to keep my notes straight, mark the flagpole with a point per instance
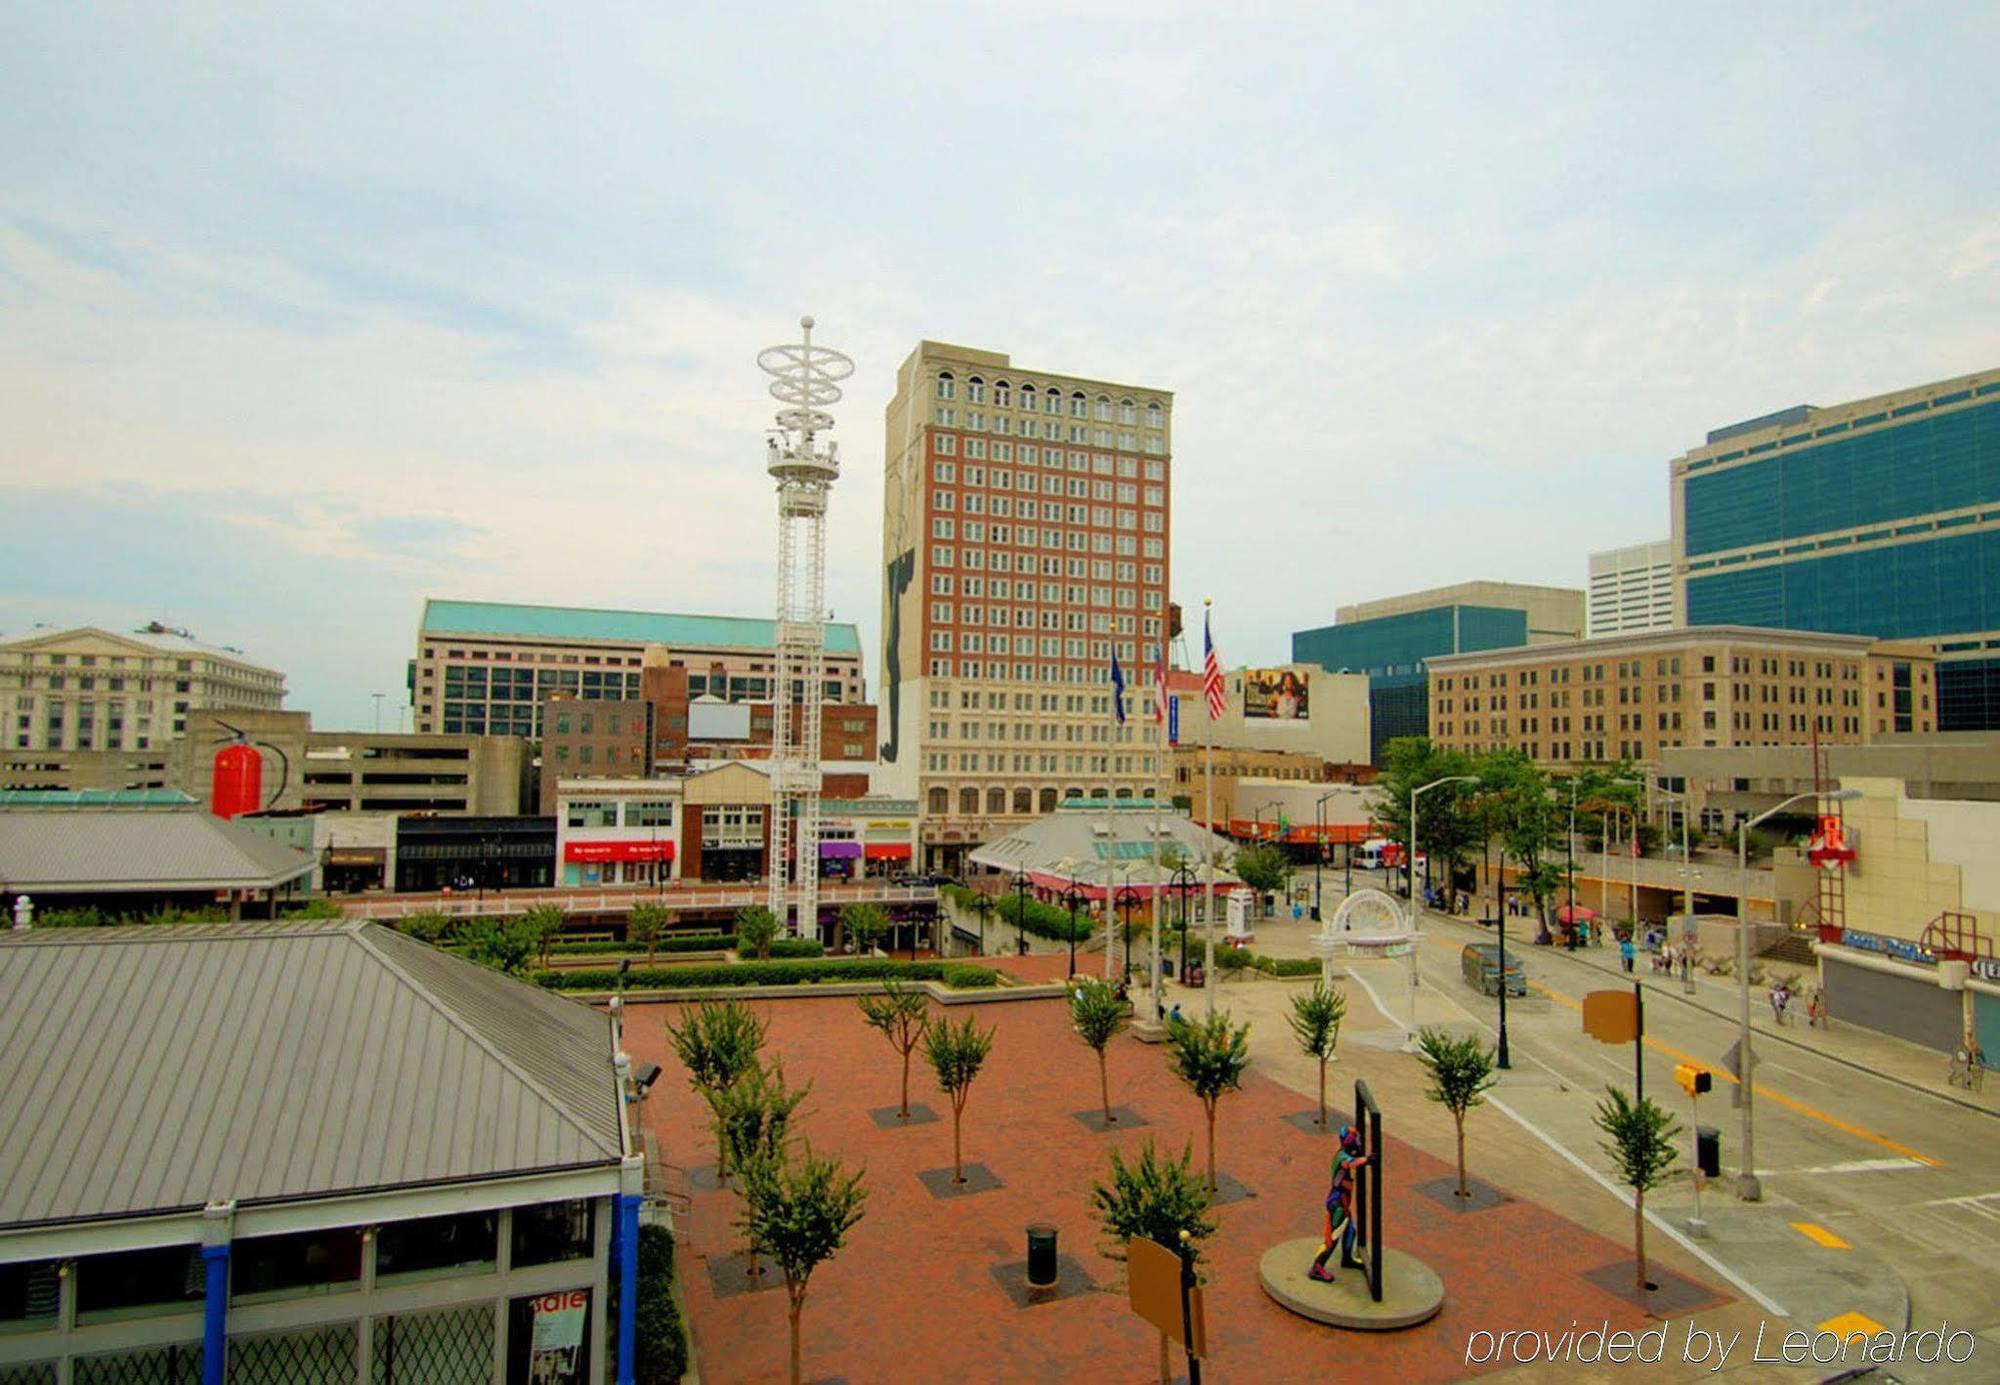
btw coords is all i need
(1110, 816)
(1208, 816)
(1159, 789)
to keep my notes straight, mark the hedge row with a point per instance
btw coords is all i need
(1044, 920)
(746, 974)
(667, 942)
(970, 978)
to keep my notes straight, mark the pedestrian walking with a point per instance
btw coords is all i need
(1816, 1009)
(1780, 998)
(1625, 953)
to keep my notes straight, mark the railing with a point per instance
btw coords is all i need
(578, 901)
(1955, 937)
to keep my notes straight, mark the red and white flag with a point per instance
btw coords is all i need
(1211, 674)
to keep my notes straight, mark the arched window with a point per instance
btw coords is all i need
(975, 390)
(1048, 800)
(940, 802)
(1123, 793)
(1028, 398)
(1024, 800)
(947, 388)
(1128, 412)
(1052, 402)
(996, 802)
(1001, 398)
(1104, 408)
(1155, 415)
(968, 802)
(1079, 407)
(1072, 793)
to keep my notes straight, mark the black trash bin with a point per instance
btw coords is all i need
(1041, 1256)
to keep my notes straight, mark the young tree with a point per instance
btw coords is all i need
(1639, 1137)
(1210, 1057)
(426, 925)
(1461, 1069)
(956, 1053)
(865, 924)
(800, 1213)
(1099, 1015)
(753, 1116)
(1155, 1197)
(717, 1042)
(1263, 867)
(544, 923)
(645, 924)
(1315, 1020)
(902, 1015)
(756, 926)
(506, 945)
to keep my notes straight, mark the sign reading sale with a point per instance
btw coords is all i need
(559, 1320)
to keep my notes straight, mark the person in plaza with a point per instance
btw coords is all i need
(1816, 1009)
(1175, 1016)
(1625, 953)
(1781, 996)
(1340, 1228)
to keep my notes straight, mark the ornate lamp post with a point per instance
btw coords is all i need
(1184, 880)
(1021, 910)
(1073, 897)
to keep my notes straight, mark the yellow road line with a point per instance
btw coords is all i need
(1789, 1103)
(1819, 1235)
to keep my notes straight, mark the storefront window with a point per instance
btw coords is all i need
(468, 1241)
(132, 1280)
(548, 1338)
(304, 1262)
(29, 1294)
(548, 1232)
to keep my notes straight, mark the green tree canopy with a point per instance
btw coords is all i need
(1315, 1021)
(1450, 825)
(1639, 1137)
(644, 925)
(544, 923)
(717, 1042)
(1461, 1068)
(1263, 866)
(504, 944)
(901, 1013)
(800, 1211)
(1210, 1057)
(1098, 1015)
(756, 927)
(956, 1053)
(865, 924)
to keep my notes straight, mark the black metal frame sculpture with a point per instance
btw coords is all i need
(1368, 1189)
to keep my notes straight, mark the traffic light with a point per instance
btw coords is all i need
(1708, 1150)
(1695, 1081)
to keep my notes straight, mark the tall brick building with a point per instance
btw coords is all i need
(1025, 537)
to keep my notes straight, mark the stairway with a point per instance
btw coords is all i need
(1793, 949)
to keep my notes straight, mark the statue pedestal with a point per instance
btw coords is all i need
(1411, 1290)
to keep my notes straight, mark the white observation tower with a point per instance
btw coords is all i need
(805, 382)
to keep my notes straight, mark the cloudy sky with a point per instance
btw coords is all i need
(310, 311)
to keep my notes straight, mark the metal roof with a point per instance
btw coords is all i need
(1092, 843)
(94, 798)
(623, 627)
(155, 1069)
(96, 849)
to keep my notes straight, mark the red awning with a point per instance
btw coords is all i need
(888, 851)
(618, 851)
(1579, 914)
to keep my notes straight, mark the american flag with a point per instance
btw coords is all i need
(1211, 673)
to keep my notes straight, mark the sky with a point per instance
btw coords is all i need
(308, 312)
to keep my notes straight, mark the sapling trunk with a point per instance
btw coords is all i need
(1211, 1148)
(1639, 1236)
(1104, 1086)
(1322, 1090)
(1459, 1117)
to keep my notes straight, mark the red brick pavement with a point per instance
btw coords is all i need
(913, 1296)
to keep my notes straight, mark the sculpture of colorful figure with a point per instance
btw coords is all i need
(1340, 1227)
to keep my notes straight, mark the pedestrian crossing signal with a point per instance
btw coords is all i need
(1693, 1080)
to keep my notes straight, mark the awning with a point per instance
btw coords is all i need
(618, 851)
(839, 850)
(357, 856)
(888, 851)
(1578, 914)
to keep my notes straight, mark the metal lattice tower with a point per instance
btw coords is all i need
(805, 380)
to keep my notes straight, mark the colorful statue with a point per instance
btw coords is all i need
(1340, 1227)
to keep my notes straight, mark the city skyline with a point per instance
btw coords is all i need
(311, 317)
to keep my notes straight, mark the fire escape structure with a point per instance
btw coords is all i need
(1830, 850)
(805, 379)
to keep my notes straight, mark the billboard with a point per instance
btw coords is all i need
(1275, 694)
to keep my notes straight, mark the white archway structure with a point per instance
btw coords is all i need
(1370, 923)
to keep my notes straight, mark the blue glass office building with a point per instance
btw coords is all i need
(1880, 517)
(1392, 650)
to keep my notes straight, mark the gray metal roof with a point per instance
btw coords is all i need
(1093, 842)
(154, 1069)
(94, 798)
(163, 849)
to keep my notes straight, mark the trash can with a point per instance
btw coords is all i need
(1041, 1256)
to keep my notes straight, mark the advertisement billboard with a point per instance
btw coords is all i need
(1275, 694)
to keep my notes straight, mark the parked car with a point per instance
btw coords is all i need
(1481, 964)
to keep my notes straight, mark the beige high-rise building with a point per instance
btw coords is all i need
(1026, 520)
(1634, 697)
(92, 689)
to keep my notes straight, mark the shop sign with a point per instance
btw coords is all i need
(1986, 968)
(559, 1320)
(618, 851)
(1902, 949)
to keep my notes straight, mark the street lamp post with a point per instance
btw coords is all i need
(1184, 881)
(1414, 794)
(1072, 897)
(1747, 1186)
(1021, 910)
(1501, 1059)
(1319, 854)
(1128, 900)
